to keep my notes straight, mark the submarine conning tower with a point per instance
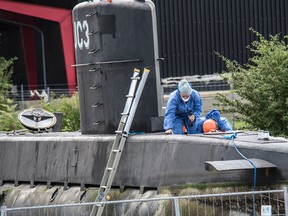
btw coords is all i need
(111, 39)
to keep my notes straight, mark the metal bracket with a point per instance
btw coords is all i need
(96, 86)
(98, 122)
(92, 14)
(93, 32)
(93, 51)
(96, 105)
(74, 160)
(107, 62)
(94, 69)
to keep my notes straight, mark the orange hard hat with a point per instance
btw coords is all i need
(209, 125)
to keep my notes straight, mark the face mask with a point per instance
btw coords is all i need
(185, 100)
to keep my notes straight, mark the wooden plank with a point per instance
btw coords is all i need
(230, 165)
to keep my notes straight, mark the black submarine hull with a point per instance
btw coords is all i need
(148, 160)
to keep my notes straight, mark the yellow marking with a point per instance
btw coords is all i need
(136, 70)
(146, 70)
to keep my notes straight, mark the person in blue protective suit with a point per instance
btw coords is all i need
(213, 122)
(184, 108)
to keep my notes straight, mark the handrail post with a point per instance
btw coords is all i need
(176, 206)
(22, 96)
(286, 200)
(3, 210)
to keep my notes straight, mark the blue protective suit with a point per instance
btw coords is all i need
(177, 112)
(223, 123)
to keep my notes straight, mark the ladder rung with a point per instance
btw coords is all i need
(95, 86)
(109, 168)
(104, 187)
(135, 78)
(115, 151)
(98, 122)
(118, 132)
(94, 69)
(125, 135)
(124, 114)
(97, 105)
(130, 96)
(93, 51)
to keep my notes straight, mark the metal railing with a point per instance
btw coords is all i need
(200, 83)
(29, 92)
(266, 203)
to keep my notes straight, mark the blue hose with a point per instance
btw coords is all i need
(233, 136)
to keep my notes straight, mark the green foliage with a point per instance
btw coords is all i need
(9, 116)
(238, 125)
(260, 86)
(6, 70)
(69, 107)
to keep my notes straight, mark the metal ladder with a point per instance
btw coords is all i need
(120, 139)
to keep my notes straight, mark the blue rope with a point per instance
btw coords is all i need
(135, 132)
(233, 136)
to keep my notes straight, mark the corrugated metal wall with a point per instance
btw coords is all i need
(190, 31)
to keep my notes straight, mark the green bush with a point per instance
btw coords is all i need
(260, 86)
(9, 117)
(6, 70)
(69, 107)
(8, 114)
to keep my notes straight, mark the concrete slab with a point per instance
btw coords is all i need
(230, 165)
